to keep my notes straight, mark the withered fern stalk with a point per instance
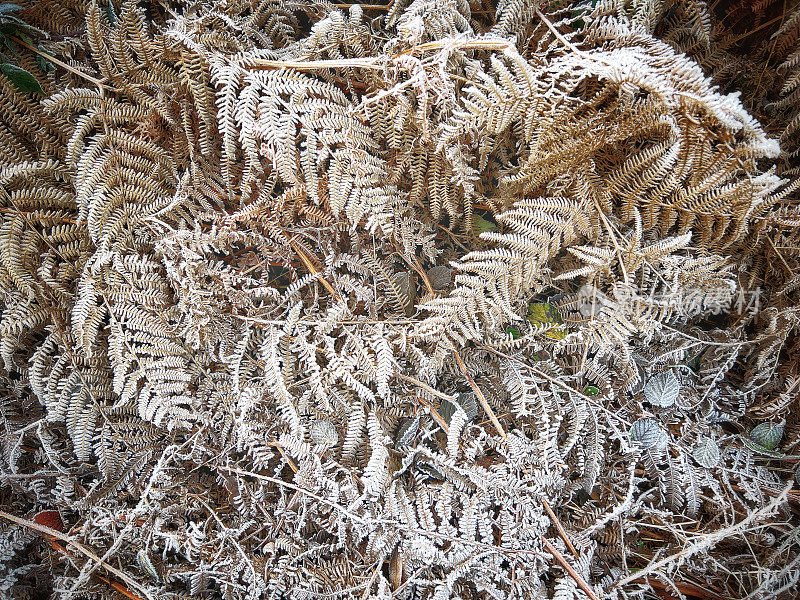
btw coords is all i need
(443, 299)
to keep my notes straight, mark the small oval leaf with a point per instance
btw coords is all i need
(323, 433)
(7, 7)
(440, 277)
(466, 400)
(49, 518)
(649, 434)
(146, 565)
(406, 432)
(469, 403)
(406, 290)
(23, 80)
(706, 453)
(662, 389)
(545, 316)
(767, 435)
(481, 225)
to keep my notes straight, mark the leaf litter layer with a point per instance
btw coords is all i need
(437, 299)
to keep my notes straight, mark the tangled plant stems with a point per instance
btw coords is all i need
(437, 299)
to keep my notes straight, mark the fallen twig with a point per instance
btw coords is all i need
(479, 394)
(568, 568)
(708, 540)
(64, 65)
(425, 387)
(313, 270)
(88, 553)
(560, 528)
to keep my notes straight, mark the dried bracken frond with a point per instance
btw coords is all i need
(430, 300)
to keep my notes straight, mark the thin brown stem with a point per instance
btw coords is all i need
(568, 568)
(560, 528)
(64, 65)
(425, 387)
(479, 394)
(88, 553)
(313, 270)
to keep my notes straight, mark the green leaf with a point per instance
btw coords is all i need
(481, 225)
(693, 361)
(9, 44)
(542, 314)
(110, 14)
(146, 565)
(759, 449)
(767, 435)
(513, 332)
(11, 25)
(44, 64)
(23, 80)
(591, 391)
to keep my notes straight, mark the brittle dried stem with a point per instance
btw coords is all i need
(568, 568)
(479, 394)
(87, 552)
(708, 540)
(64, 65)
(560, 528)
